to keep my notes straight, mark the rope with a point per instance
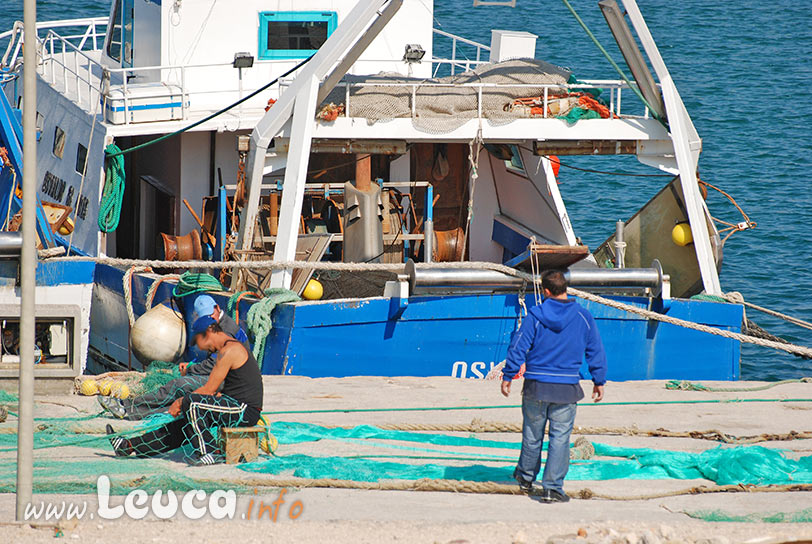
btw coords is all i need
(190, 283)
(259, 318)
(480, 426)
(118, 152)
(127, 286)
(150, 298)
(492, 488)
(360, 267)
(113, 193)
(514, 406)
(676, 385)
(614, 64)
(84, 168)
(233, 306)
(737, 298)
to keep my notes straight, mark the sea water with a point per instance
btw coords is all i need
(744, 71)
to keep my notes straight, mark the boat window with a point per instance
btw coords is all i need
(40, 125)
(53, 347)
(515, 163)
(81, 158)
(293, 34)
(59, 142)
(114, 33)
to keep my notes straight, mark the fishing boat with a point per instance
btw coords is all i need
(361, 184)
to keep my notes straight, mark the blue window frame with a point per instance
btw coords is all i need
(294, 34)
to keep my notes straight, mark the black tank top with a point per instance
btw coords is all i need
(244, 384)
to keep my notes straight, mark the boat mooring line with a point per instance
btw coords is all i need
(793, 349)
(514, 406)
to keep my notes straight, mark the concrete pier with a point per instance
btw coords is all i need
(344, 515)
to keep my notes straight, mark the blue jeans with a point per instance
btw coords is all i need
(535, 415)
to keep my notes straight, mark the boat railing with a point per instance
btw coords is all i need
(86, 33)
(550, 91)
(457, 58)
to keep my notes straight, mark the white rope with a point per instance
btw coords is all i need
(394, 267)
(737, 298)
(474, 147)
(127, 286)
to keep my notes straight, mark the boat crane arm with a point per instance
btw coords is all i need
(313, 82)
(687, 146)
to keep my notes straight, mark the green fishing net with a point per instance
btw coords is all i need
(381, 455)
(801, 516)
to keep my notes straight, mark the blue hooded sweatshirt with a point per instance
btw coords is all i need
(552, 342)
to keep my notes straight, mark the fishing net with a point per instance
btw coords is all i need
(439, 108)
(801, 516)
(363, 453)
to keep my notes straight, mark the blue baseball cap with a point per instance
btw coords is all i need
(201, 325)
(204, 305)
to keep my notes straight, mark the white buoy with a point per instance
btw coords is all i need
(158, 335)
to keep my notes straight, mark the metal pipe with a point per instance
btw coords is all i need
(620, 245)
(428, 226)
(450, 279)
(28, 265)
(11, 243)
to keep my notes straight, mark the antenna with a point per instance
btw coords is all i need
(506, 3)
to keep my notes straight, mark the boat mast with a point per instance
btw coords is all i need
(687, 146)
(28, 264)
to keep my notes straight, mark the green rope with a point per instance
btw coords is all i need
(191, 283)
(677, 385)
(504, 406)
(259, 319)
(113, 193)
(118, 152)
(615, 66)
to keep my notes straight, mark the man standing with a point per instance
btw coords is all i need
(552, 342)
(201, 413)
(193, 375)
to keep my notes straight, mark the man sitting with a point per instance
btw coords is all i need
(204, 410)
(193, 375)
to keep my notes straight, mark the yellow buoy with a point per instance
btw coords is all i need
(682, 235)
(89, 387)
(122, 391)
(313, 291)
(267, 442)
(104, 387)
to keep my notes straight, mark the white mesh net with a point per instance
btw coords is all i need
(440, 108)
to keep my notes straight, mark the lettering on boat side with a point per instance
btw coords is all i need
(477, 369)
(54, 187)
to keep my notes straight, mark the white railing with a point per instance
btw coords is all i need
(465, 63)
(91, 38)
(72, 62)
(614, 87)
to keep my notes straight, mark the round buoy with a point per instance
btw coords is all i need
(556, 164)
(682, 235)
(313, 290)
(158, 335)
(121, 391)
(89, 387)
(268, 442)
(104, 387)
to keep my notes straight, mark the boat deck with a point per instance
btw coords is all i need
(374, 516)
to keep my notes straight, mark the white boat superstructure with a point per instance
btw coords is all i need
(279, 117)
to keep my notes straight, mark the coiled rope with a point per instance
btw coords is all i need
(113, 192)
(190, 283)
(259, 318)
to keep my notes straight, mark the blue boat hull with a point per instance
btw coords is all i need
(462, 336)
